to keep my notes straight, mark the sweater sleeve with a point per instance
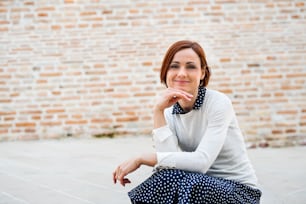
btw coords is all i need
(219, 114)
(165, 140)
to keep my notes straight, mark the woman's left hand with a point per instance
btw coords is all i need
(149, 159)
(124, 169)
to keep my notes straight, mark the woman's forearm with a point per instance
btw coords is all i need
(159, 118)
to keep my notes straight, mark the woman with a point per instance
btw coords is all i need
(200, 152)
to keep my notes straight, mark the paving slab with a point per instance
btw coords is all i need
(79, 171)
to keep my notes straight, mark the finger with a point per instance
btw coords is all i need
(180, 91)
(125, 181)
(114, 177)
(178, 95)
(186, 94)
(121, 180)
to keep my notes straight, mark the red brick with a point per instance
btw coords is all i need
(20, 10)
(56, 27)
(127, 119)
(55, 110)
(58, 123)
(5, 101)
(2, 132)
(47, 8)
(299, 4)
(101, 120)
(7, 113)
(296, 75)
(76, 122)
(277, 132)
(36, 117)
(42, 14)
(4, 29)
(26, 124)
(272, 76)
(51, 74)
(144, 94)
(225, 60)
(290, 112)
(31, 112)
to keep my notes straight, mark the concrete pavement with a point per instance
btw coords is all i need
(78, 171)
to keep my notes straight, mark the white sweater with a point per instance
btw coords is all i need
(207, 140)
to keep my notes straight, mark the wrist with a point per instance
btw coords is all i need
(147, 159)
(139, 161)
(158, 110)
(159, 118)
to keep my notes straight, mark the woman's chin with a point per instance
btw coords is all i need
(182, 88)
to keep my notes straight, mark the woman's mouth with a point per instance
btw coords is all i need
(181, 81)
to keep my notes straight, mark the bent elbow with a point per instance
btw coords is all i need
(203, 163)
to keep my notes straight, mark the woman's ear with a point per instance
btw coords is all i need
(203, 74)
(202, 77)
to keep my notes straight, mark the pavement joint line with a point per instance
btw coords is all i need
(72, 196)
(294, 192)
(15, 176)
(14, 197)
(97, 185)
(47, 187)
(9, 162)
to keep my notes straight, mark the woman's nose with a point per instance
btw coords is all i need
(182, 71)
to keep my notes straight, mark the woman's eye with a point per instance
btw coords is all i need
(191, 67)
(174, 66)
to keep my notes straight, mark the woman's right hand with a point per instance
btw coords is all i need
(170, 97)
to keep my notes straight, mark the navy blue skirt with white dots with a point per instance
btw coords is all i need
(173, 186)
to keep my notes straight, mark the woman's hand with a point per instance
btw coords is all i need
(170, 97)
(131, 165)
(124, 169)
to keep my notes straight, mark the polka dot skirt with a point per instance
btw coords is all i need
(170, 186)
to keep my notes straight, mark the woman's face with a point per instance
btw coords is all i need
(184, 72)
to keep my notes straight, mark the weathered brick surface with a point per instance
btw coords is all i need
(91, 67)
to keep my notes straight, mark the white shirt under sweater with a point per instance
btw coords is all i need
(207, 140)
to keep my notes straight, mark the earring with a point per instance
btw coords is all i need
(201, 82)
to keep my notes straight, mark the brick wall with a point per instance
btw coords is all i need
(91, 67)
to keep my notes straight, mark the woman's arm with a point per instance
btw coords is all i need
(219, 114)
(163, 136)
(170, 97)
